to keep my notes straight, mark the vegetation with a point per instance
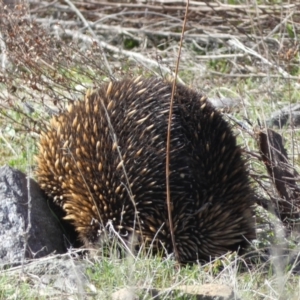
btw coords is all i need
(243, 53)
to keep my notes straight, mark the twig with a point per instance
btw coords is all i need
(169, 139)
(3, 52)
(117, 234)
(7, 143)
(133, 12)
(85, 22)
(28, 227)
(152, 31)
(274, 29)
(236, 43)
(127, 185)
(137, 56)
(260, 75)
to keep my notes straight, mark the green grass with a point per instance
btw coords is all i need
(18, 287)
(104, 276)
(259, 97)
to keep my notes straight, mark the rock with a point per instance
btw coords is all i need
(22, 200)
(55, 277)
(208, 291)
(125, 294)
(226, 104)
(288, 115)
(199, 292)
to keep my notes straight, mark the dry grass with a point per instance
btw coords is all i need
(51, 52)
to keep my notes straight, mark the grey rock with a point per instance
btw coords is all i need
(208, 291)
(288, 115)
(226, 104)
(125, 294)
(199, 292)
(57, 276)
(21, 200)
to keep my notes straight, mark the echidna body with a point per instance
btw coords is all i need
(105, 160)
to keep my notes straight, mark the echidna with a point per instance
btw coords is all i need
(105, 158)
